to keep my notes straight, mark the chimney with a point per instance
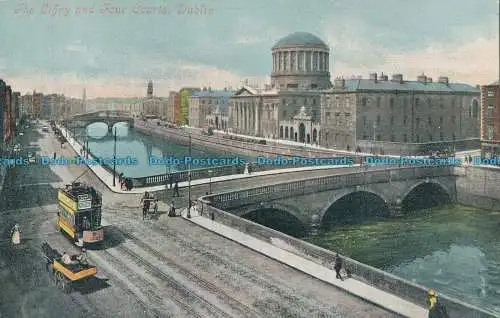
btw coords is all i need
(383, 77)
(429, 79)
(443, 80)
(373, 76)
(422, 78)
(397, 78)
(339, 82)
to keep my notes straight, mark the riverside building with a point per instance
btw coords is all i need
(490, 120)
(377, 114)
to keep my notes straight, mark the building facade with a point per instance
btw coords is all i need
(173, 107)
(16, 104)
(7, 119)
(209, 108)
(490, 120)
(376, 114)
(37, 104)
(184, 94)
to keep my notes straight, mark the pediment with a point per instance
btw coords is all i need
(245, 91)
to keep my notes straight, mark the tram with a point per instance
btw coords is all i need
(79, 213)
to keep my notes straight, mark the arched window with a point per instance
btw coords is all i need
(475, 108)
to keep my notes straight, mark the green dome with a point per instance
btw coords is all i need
(299, 39)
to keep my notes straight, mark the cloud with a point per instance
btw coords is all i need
(187, 75)
(475, 62)
(76, 47)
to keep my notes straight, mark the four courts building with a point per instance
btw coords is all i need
(377, 114)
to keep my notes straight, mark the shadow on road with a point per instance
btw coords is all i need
(90, 285)
(112, 238)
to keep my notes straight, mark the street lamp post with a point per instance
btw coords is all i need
(114, 160)
(189, 181)
(374, 137)
(210, 181)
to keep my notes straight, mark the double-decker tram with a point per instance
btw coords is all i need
(79, 213)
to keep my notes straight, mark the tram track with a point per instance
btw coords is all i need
(243, 309)
(118, 281)
(181, 294)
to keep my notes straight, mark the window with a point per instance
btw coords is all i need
(491, 93)
(284, 113)
(453, 137)
(378, 119)
(327, 114)
(430, 137)
(378, 101)
(378, 138)
(347, 114)
(405, 120)
(405, 138)
(314, 101)
(364, 120)
(429, 120)
(418, 138)
(363, 101)
(489, 132)
(453, 119)
(417, 102)
(417, 121)
(391, 103)
(490, 111)
(392, 120)
(441, 136)
(475, 108)
(393, 138)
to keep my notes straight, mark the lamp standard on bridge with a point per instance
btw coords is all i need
(210, 181)
(114, 160)
(189, 181)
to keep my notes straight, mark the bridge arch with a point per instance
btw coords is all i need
(425, 194)
(278, 216)
(352, 204)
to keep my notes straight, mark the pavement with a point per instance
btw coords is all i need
(369, 293)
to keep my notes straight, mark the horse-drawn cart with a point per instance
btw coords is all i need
(65, 274)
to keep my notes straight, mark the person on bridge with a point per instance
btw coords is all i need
(15, 235)
(436, 309)
(338, 266)
(176, 189)
(145, 201)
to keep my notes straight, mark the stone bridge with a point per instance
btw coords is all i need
(110, 118)
(314, 202)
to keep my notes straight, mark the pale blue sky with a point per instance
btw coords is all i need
(115, 54)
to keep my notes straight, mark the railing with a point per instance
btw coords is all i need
(281, 190)
(382, 280)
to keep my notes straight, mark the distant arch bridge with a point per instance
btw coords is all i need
(109, 117)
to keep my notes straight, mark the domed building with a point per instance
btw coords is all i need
(301, 61)
(288, 108)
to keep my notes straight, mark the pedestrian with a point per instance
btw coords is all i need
(338, 266)
(436, 309)
(55, 155)
(176, 189)
(145, 205)
(171, 180)
(171, 213)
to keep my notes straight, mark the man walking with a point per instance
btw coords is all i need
(338, 266)
(176, 189)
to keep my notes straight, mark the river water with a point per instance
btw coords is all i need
(134, 144)
(454, 249)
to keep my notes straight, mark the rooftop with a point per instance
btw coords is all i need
(211, 93)
(300, 39)
(369, 84)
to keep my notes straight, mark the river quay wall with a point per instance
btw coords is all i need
(219, 143)
(479, 187)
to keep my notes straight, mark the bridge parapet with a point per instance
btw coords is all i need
(231, 200)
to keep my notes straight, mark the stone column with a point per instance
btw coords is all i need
(288, 61)
(296, 55)
(304, 56)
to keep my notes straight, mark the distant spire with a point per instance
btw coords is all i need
(150, 89)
